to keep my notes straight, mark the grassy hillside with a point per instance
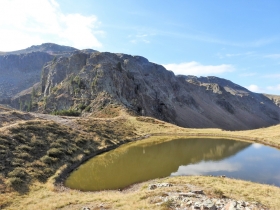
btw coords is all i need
(37, 151)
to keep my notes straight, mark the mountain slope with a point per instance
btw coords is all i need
(91, 82)
(50, 48)
(21, 69)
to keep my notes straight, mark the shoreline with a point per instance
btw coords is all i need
(60, 179)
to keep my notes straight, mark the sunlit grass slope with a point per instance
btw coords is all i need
(35, 153)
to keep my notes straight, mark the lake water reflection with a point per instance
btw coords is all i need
(148, 159)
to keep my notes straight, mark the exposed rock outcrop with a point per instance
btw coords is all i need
(87, 81)
(94, 80)
(21, 69)
(196, 199)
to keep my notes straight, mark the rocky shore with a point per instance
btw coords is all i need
(195, 199)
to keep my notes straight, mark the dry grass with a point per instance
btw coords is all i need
(109, 111)
(45, 149)
(139, 197)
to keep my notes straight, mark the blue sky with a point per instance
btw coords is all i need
(235, 39)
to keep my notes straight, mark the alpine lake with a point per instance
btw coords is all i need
(162, 156)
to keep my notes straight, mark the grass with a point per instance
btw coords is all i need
(69, 112)
(139, 197)
(35, 152)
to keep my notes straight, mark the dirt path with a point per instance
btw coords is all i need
(67, 121)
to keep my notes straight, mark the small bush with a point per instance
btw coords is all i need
(37, 143)
(61, 141)
(69, 112)
(55, 145)
(17, 162)
(87, 109)
(15, 181)
(48, 160)
(18, 172)
(38, 164)
(54, 152)
(82, 106)
(24, 147)
(24, 155)
(70, 151)
(48, 171)
(3, 152)
(80, 141)
(20, 138)
(3, 147)
(219, 193)
(168, 205)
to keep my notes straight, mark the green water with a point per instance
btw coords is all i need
(146, 159)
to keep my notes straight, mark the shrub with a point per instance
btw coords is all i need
(37, 142)
(24, 148)
(48, 171)
(15, 181)
(80, 141)
(48, 160)
(87, 109)
(54, 152)
(17, 162)
(56, 145)
(4, 147)
(23, 155)
(17, 172)
(61, 141)
(82, 106)
(69, 112)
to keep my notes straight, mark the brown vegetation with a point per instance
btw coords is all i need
(36, 152)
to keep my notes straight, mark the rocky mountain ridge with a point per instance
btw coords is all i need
(50, 78)
(49, 48)
(89, 82)
(21, 69)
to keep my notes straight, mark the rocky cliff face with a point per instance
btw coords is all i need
(21, 69)
(90, 82)
(19, 72)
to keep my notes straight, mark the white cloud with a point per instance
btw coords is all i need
(253, 88)
(29, 22)
(274, 88)
(272, 76)
(206, 167)
(257, 146)
(197, 69)
(248, 74)
(240, 54)
(140, 38)
(273, 56)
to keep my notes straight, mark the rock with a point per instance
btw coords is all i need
(147, 89)
(21, 69)
(231, 205)
(85, 208)
(189, 203)
(197, 205)
(152, 186)
(164, 185)
(188, 194)
(208, 205)
(197, 191)
(241, 203)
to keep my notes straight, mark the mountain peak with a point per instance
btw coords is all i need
(50, 48)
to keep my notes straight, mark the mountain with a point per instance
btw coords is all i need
(49, 48)
(21, 69)
(91, 82)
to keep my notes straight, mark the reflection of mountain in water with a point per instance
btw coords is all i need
(140, 162)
